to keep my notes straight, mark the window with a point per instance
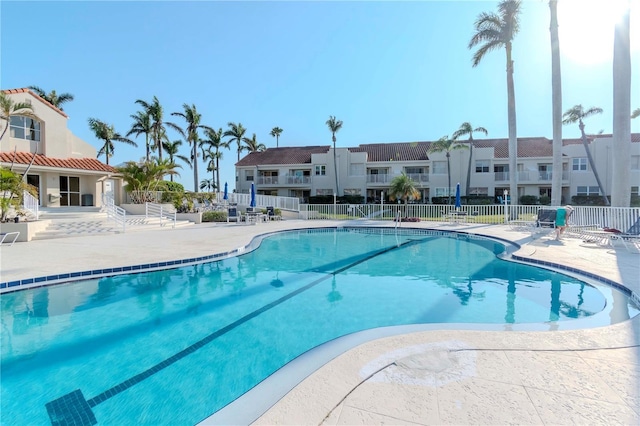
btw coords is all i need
(353, 191)
(634, 191)
(69, 191)
(25, 128)
(442, 192)
(635, 162)
(478, 191)
(579, 164)
(414, 170)
(439, 168)
(588, 190)
(321, 170)
(324, 191)
(482, 166)
(356, 169)
(249, 177)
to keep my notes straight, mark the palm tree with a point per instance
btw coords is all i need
(635, 113)
(172, 149)
(142, 125)
(235, 133)
(403, 188)
(208, 184)
(556, 102)
(158, 129)
(444, 144)
(620, 193)
(334, 126)
(276, 132)
(209, 156)
(214, 140)
(52, 97)
(192, 117)
(576, 115)
(494, 31)
(467, 129)
(252, 145)
(143, 178)
(9, 108)
(106, 132)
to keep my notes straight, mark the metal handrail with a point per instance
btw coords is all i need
(157, 210)
(31, 204)
(115, 213)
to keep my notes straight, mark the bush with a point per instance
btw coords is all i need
(545, 200)
(587, 200)
(165, 185)
(214, 216)
(529, 200)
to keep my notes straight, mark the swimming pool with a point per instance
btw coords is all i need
(174, 346)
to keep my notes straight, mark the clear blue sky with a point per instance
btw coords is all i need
(391, 71)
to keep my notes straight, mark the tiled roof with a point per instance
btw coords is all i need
(527, 147)
(24, 90)
(288, 155)
(403, 151)
(66, 163)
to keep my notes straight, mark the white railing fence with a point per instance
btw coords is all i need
(31, 204)
(621, 218)
(153, 210)
(283, 203)
(115, 213)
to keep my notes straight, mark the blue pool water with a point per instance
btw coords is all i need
(175, 346)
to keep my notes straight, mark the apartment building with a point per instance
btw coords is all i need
(368, 169)
(65, 168)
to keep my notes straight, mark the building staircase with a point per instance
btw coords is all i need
(85, 221)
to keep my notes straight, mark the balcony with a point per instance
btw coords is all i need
(267, 180)
(379, 178)
(501, 176)
(297, 180)
(419, 177)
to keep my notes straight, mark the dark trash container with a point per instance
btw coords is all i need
(87, 199)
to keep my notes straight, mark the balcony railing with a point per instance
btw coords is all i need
(267, 180)
(298, 180)
(419, 177)
(382, 178)
(501, 176)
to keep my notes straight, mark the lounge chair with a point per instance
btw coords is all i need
(612, 237)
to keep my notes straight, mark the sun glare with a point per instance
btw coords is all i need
(586, 28)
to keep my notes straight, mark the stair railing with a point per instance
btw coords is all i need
(30, 204)
(115, 213)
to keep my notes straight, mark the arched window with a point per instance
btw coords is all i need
(25, 128)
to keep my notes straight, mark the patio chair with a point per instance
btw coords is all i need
(271, 213)
(232, 215)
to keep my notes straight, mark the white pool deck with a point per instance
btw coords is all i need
(584, 376)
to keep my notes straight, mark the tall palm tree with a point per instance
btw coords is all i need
(158, 128)
(334, 126)
(9, 108)
(404, 188)
(142, 125)
(252, 144)
(446, 145)
(556, 103)
(276, 132)
(190, 133)
(620, 187)
(467, 129)
(235, 133)
(172, 149)
(214, 140)
(495, 31)
(52, 97)
(575, 115)
(107, 133)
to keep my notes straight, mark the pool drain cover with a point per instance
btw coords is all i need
(71, 410)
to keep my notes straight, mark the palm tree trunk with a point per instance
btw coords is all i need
(620, 190)
(585, 143)
(556, 96)
(146, 137)
(449, 176)
(513, 138)
(218, 170)
(335, 164)
(195, 165)
(466, 190)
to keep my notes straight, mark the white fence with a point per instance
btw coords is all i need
(613, 217)
(30, 204)
(283, 203)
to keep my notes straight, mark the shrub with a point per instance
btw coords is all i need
(528, 200)
(211, 216)
(545, 200)
(165, 185)
(587, 200)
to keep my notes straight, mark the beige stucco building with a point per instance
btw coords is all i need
(65, 168)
